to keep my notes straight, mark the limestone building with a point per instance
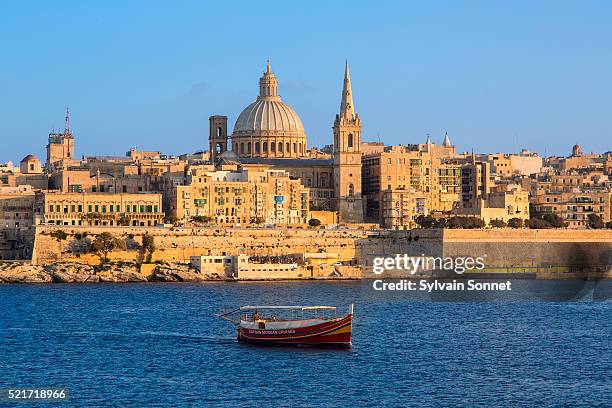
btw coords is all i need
(107, 209)
(231, 195)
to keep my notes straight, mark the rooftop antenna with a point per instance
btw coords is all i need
(67, 128)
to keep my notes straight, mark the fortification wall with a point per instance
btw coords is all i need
(577, 249)
(506, 250)
(178, 244)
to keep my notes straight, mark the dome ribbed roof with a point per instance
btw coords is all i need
(268, 115)
(28, 158)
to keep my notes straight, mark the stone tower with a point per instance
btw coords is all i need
(347, 157)
(61, 145)
(217, 138)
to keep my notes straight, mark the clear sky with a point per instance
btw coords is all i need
(497, 75)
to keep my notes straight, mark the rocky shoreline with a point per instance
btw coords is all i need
(116, 272)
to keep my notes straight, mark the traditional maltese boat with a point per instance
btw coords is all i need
(292, 325)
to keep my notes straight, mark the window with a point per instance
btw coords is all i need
(351, 191)
(294, 148)
(124, 189)
(265, 147)
(103, 208)
(80, 208)
(142, 208)
(97, 209)
(90, 208)
(257, 148)
(350, 140)
(273, 147)
(72, 208)
(288, 148)
(280, 147)
(155, 207)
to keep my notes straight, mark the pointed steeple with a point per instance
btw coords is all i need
(268, 67)
(447, 142)
(347, 109)
(428, 142)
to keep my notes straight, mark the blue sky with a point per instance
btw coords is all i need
(498, 76)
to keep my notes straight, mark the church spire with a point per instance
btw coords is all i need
(447, 142)
(347, 110)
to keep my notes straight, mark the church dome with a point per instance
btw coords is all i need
(267, 115)
(268, 127)
(30, 165)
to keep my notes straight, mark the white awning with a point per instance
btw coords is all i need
(245, 308)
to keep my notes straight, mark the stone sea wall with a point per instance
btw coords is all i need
(179, 244)
(545, 253)
(534, 253)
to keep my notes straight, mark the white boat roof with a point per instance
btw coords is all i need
(243, 308)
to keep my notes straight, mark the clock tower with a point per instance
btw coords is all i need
(347, 157)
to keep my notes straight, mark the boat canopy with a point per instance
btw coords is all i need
(245, 308)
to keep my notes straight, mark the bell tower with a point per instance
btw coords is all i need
(347, 157)
(217, 138)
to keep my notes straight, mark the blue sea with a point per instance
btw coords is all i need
(160, 345)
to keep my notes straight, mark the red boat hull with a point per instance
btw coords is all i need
(335, 333)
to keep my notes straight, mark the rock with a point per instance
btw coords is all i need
(23, 273)
(176, 273)
(71, 273)
(115, 273)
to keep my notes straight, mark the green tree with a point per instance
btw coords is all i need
(106, 243)
(200, 219)
(537, 223)
(60, 235)
(124, 220)
(425, 221)
(595, 222)
(555, 221)
(148, 246)
(498, 223)
(515, 223)
(314, 222)
(609, 225)
(170, 219)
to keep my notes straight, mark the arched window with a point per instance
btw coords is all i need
(273, 147)
(249, 147)
(219, 148)
(351, 191)
(265, 147)
(350, 140)
(242, 148)
(280, 147)
(294, 148)
(288, 147)
(257, 148)
(300, 148)
(219, 132)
